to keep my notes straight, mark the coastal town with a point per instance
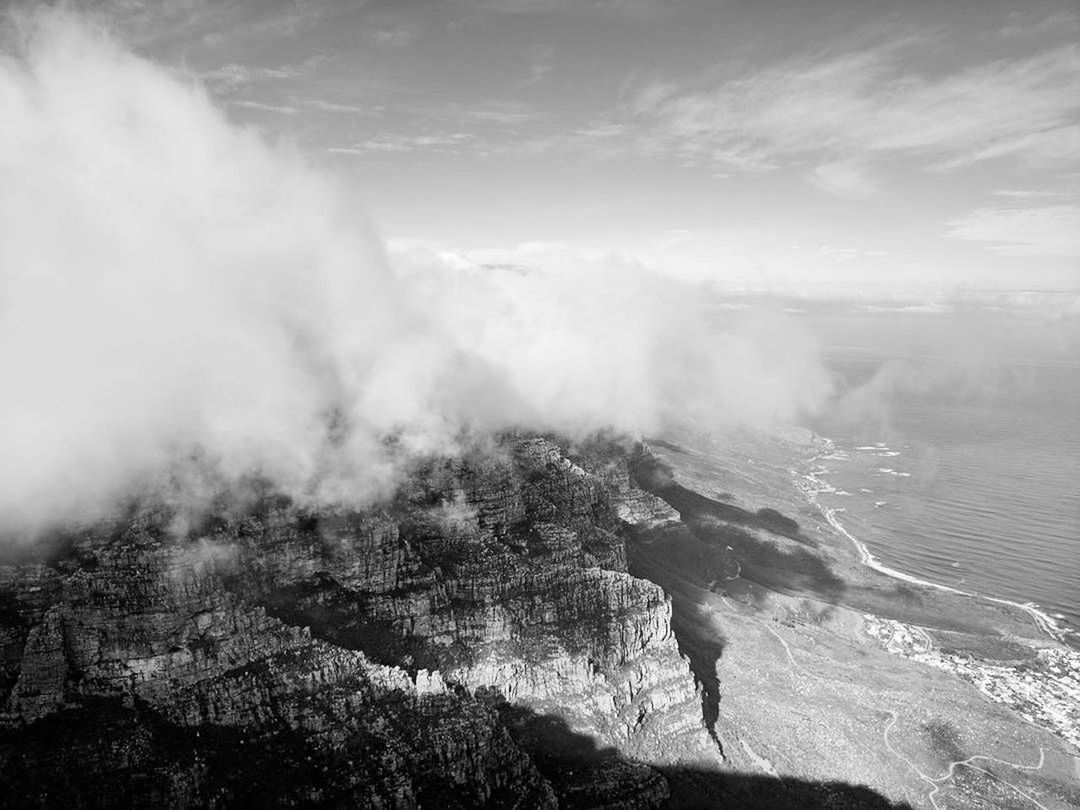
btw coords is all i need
(1044, 690)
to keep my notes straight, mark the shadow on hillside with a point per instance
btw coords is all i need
(719, 546)
(584, 774)
(105, 755)
(684, 571)
(654, 475)
(718, 540)
(722, 535)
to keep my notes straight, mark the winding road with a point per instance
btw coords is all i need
(935, 782)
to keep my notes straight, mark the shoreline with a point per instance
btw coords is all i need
(1048, 697)
(809, 484)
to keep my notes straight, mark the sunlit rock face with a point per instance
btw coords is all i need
(442, 647)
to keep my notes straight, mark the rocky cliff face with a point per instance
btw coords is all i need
(395, 657)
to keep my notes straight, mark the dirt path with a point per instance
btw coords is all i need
(935, 782)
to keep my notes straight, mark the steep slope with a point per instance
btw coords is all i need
(475, 641)
(825, 669)
(356, 658)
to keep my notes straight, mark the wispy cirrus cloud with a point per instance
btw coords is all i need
(845, 178)
(871, 104)
(395, 35)
(1048, 148)
(1031, 193)
(212, 23)
(1052, 230)
(634, 9)
(598, 139)
(451, 143)
(231, 77)
(280, 109)
(501, 112)
(540, 66)
(322, 105)
(1020, 25)
(445, 128)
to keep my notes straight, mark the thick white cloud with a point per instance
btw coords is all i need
(181, 302)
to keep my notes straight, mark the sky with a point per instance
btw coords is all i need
(766, 144)
(310, 242)
(188, 306)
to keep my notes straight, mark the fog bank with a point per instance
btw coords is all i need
(185, 305)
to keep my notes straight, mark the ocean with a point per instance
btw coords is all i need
(956, 449)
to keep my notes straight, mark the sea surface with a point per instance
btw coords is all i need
(957, 449)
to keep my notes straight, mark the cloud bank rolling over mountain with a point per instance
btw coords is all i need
(182, 302)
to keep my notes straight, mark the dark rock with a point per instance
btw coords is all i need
(291, 657)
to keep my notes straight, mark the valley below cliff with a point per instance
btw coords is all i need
(538, 623)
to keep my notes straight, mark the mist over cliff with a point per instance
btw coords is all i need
(184, 304)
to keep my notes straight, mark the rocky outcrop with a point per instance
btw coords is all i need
(276, 655)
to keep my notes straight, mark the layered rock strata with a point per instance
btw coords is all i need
(393, 657)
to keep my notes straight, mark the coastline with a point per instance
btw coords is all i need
(1047, 695)
(810, 484)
